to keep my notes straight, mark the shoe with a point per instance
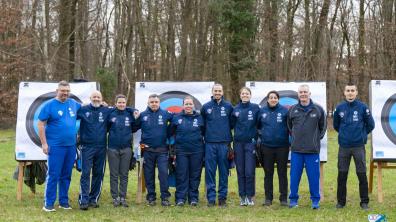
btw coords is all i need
(84, 207)
(293, 204)
(151, 203)
(49, 209)
(123, 202)
(211, 204)
(339, 206)
(116, 202)
(242, 201)
(249, 201)
(165, 203)
(194, 203)
(93, 205)
(65, 207)
(222, 203)
(284, 203)
(267, 203)
(315, 205)
(364, 206)
(180, 203)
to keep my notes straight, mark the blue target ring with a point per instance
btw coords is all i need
(388, 118)
(287, 98)
(173, 101)
(34, 111)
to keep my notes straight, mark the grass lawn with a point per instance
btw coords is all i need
(29, 209)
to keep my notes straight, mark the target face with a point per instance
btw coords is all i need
(287, 98)
(34, 111)
(173, 101)
(388, 118)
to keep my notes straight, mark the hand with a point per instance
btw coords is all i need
(45, 148)
(136, 114)
(104, 104)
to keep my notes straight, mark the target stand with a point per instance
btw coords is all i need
(21, 172)
(378, 165)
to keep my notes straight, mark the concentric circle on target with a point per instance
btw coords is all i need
(173, 101)
(388, 118)
(287, 98)
(33, 113)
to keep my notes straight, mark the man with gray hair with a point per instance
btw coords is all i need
(307, 123)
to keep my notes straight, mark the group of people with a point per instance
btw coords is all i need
(201, 138)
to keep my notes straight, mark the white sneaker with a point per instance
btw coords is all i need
(243, 201)
(249, 201)
(65, 207)
(48, 209)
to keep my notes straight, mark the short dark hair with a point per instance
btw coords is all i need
(273, 92)
(63, 83)
(351, 84)
(153, 96)
(119, 96)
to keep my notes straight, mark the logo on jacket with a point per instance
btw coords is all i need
(127, 121)
(223, 112)
(101, 117)
(195, 123)
(209, 111)
(145, 118)
(237, 114)
(60, 113)
(71, 113)
(355, 116)
(113, 120)
(87, 114)
(160, 120)
(342, 114)
(250, 115)
(367, 112)
(264, 115)
(312, 115)
(179, 121)
(279, 118)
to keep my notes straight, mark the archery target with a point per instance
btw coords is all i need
(32, 98)
(383, 108)
(288, 97)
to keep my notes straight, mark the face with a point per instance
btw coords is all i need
(188, 105)
(217, 92)
(121, 103)
(304, 94)
(273, 100)
(96, 98)
(154, 103)
(350, 93)
(62, 92)
(245, 95)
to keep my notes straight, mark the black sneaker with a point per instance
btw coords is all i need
(211, 204)
(267, 203)
(84, 207)
(222, 203)
(194, 203)
(151, 203)
(284, 203)
(165, 203)
(364, 206)
(116, 202)
(93, 205)
(123, 202)
(180, 203)
(340, 206)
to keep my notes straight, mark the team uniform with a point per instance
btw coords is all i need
(217, 119)
(307, 125)
(353, 122)
(244, 119)
(274, 148)
(188, 130)
(155, 132)
(60, 132)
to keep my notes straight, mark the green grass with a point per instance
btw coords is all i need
(29, 209)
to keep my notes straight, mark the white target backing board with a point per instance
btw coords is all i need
(32, 97)
(383, 108)
(171, 95)
(288, 97)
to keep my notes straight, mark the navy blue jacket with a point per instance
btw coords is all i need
(155, 127)
(272, 123)
(188, 130)
(353, 122)
(217, 119)
(93, 125)
(244, 119)
(120, 125)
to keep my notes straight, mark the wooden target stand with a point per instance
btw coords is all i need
(379, 165)
(21, 172)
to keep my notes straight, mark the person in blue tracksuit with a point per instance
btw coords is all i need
(58, 132)
(154, 123)
(274, 147)
(217, 118)
(244, 118)
(188, 129)
(353, 122)
(307, 123)
(121, 124)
